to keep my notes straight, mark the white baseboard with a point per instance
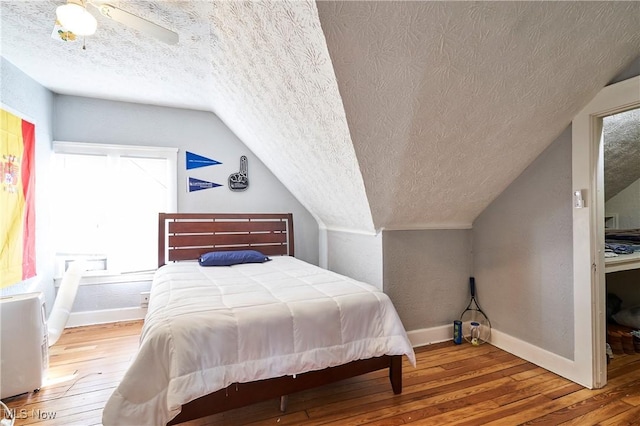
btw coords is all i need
(427, 336)
(78, 319)
(541, 357)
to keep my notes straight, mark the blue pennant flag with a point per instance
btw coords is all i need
(197, 184)
(194, 161)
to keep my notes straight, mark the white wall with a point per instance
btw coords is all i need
(626, 204)
(27, 99)
(80, 119)
(356, 255)
(522, 247)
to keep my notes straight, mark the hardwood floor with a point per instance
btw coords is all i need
(452, 385)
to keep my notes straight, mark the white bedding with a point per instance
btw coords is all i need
(209, 327)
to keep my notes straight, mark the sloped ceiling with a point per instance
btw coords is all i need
(262, 67)
(621, 133)
(373, 114)
(448, 102)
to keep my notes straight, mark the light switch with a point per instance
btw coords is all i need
(578, 200)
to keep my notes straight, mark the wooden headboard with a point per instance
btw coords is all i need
(185, 236)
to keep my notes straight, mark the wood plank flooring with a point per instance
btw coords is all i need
(451, 385)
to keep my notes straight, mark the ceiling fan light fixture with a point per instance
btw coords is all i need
(75, 18)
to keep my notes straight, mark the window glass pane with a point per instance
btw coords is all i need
(142, 195)
(107, 205)
(79, 207)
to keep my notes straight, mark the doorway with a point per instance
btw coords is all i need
(621, 140)
(589, 284)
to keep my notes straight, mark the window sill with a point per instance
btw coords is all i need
(102, 279)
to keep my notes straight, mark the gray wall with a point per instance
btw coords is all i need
(426, 275)
(70, 118)
(81, 119)
(520, 251)
(523, 253)
(523, 250)
(522, 246)
(26, 98)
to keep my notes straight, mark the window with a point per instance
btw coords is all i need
(105, 204)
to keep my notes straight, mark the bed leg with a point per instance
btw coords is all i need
(395, 374)
(284, 401)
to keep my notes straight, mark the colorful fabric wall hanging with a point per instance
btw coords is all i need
(17, 199)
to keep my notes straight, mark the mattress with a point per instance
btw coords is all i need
(209, 327)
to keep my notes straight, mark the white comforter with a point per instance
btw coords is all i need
(209, 327)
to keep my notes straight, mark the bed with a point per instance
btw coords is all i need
(217, 338)
(628, 257)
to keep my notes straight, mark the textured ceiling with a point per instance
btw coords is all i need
(621, 151)
(448, 102)
(118, 63)
(262, 67)
(373, 114)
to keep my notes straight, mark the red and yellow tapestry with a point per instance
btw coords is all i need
(17, 199)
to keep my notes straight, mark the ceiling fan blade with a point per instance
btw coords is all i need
(138, 23)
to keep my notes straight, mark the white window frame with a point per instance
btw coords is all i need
(84, 148)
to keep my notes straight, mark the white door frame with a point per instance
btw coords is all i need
(589, 294)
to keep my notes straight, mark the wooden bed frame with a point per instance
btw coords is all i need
(185, 236)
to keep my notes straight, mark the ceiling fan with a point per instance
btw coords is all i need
(74, 17)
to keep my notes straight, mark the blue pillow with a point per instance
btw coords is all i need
(228, 258)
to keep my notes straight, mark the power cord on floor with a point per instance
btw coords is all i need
(76, 381)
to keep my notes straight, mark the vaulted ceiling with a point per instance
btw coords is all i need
(373, 114)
